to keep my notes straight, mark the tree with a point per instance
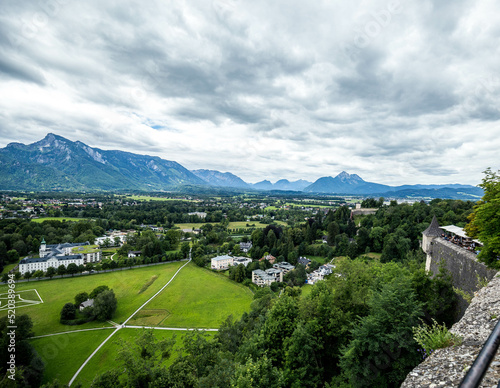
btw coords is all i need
(333, 231)
(382, 350)
(80, 298)
(38, 274)
(27, 275)
(68, 312)
(29, 366)
(485, 220)
(96, 291)
(12, 256)
(72, 269)
(185, 249)
(105, 305)
(51, 271)
(255, 374)
(61, 270)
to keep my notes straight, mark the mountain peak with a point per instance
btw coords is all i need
(346, 177)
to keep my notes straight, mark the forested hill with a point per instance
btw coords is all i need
(55, 163)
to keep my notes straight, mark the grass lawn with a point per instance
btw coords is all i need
(126, 285)
(85, 249)
(319, 259)
(306, 289)
(64, 354)
(195, 225)
(197, 298)
(149, 198)
(232, 225)
(75, 219)
(8, 267)
(373, 255)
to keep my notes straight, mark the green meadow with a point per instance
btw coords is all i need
(75, 219)
(196, 298)
(64, 354)
(126, 284)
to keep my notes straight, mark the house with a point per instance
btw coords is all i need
(222, 262)
(198, 214)
(87, 303)
(55, 255)
(320, 273)
(265, 278)
(132, 254)
(269, 258)
(304, 261)
(245, 246)
(242, 260)
(284, 266)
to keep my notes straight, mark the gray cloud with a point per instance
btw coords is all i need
(271, 90)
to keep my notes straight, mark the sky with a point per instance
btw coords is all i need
(398, 92)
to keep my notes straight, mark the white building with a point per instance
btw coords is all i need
(55, 255)
(222, 262)
(242, 260)
(265, 278)
(320, 273)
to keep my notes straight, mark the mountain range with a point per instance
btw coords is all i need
(56, 163)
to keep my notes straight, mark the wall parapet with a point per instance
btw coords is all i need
(447, 367)
(466, 271)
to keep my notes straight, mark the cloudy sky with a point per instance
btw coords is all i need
(395, 91)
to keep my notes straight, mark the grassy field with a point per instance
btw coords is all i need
(232, 225)
(149, 198)
(197, 298)
(126, 285)
(64, 354)
(373, 255)
(8, 267)
(108, 353)
(319, 259)
(75, 219)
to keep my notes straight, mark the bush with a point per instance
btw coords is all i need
(68, 312)
(434, 337)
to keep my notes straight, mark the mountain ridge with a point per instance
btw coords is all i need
(56, 163)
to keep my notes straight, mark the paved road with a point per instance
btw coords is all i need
(124, 323)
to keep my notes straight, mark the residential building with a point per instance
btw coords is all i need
(265, 278)
(320, 273)
(245, 246)
(222, 262)
(242, 260)
(269, 258)
(284, 266)
(87, 303)
(304, 261)
(132, 254)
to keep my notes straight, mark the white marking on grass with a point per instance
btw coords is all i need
(69, 332)
(119, 327)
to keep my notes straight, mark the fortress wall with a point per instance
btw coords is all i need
(447, 367)
(462, 265)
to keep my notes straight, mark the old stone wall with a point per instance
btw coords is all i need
(465, 270)
(447, 367)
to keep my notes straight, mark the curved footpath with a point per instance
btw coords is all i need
(124, 325)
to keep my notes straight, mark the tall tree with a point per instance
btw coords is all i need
(485, 220)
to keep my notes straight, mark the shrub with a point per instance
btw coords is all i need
(68, 312)
(435, 336)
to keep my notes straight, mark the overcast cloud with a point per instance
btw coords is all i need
(395, 91)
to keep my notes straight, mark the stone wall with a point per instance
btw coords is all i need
(465, 270)
(447, 367)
